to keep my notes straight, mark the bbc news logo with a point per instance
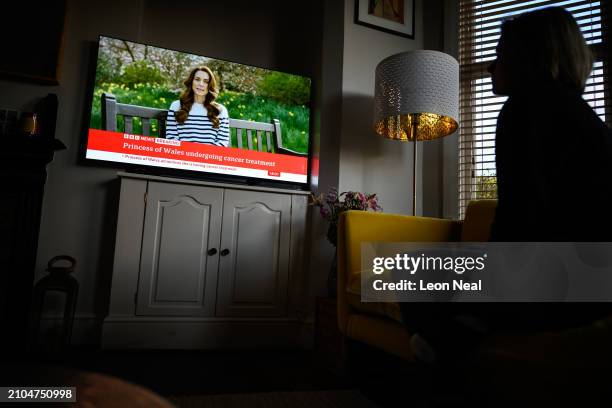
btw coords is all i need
(130, 136)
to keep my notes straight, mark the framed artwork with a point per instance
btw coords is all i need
(391, 16)
(32, 44)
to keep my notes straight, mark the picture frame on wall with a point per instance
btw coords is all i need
(391, 16)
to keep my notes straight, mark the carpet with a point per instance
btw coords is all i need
(285, 399)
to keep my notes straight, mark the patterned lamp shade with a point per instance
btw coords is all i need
(417, 96)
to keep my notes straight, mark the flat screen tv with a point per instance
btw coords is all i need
(160, 109)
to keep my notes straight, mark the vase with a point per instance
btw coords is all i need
(332, 278)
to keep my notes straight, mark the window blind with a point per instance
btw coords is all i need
(479, 31)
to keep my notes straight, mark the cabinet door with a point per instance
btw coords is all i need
(177, 275)
(253, 274)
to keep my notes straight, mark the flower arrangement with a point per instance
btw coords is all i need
(332, 204)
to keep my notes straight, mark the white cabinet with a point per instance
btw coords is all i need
(255, 239)
(178, 276)
(201, 265)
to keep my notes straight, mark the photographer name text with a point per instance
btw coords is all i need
(420, 285)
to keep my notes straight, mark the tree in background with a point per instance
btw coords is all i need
(237, 77)
(285, 88)
(128, 63)
(486, 187)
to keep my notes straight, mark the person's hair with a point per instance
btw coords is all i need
(547, 44)
(187, 98)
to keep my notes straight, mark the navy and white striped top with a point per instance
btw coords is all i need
(197, 127)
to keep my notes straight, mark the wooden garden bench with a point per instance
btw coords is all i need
(260, 136)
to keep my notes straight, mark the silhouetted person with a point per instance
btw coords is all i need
(554, 175)
(553, 153)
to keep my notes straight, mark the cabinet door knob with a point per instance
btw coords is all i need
(212, 251)
(225, 252)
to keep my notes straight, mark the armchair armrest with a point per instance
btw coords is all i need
(356, 227)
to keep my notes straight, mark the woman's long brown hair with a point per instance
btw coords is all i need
(187, 98)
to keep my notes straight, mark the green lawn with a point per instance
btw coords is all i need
(294, 119)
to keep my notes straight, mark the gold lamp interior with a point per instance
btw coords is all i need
(429, 126)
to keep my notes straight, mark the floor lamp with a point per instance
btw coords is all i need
(416, 98)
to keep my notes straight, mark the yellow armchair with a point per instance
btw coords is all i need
(362, 321)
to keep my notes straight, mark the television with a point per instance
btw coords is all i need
(171, 112)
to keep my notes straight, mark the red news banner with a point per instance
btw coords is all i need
(276, 165)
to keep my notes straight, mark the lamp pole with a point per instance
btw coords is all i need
(415, 125)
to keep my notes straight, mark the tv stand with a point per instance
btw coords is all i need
(206, 265)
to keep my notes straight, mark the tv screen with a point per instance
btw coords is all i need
(162, 108)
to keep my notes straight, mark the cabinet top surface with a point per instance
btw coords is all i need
(210, 183)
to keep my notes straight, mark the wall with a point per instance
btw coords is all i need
(450, 160)
(80, 202)
(326, 154)
(439, 167)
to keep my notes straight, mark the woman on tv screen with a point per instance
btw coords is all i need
(196, 117)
